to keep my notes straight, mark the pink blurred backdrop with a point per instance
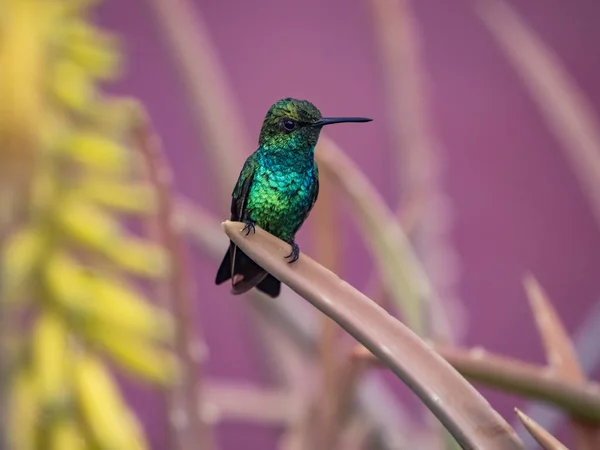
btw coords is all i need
(517, 206)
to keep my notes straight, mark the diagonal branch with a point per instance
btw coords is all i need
(390, 421)
(460, 408)
(526, 379)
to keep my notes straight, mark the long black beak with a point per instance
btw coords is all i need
(330, 120)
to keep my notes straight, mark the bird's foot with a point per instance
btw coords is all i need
(295, 253)
(248, 227)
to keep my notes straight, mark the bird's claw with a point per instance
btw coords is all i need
(295, 253)
(248, 227)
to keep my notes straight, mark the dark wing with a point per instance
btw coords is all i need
(234, 258)
(315, 187)
(245, 273)
(239, 197)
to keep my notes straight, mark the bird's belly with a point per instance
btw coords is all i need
(280, 208)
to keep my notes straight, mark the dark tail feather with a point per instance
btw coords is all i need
(224, 272)
(270, 286)
(246, 273)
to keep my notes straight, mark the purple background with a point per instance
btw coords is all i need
(517, 204)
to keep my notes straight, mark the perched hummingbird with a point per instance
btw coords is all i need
(277, 188)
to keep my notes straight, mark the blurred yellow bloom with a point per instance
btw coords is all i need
(96, 152)
(102, 407)
(20, 257)
(24, 26)
(50, 360)
(65, 163)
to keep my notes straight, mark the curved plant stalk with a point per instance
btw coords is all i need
(67, 264)
(566, 109)
(545, 439)
(462, 410)
(400, 270)
(418, 157)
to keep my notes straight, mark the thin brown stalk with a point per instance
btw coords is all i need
(185, 399)
(545, 439)
(210, 96)
(460, 408)
(565, 107)
(561, 355)
(511, 375)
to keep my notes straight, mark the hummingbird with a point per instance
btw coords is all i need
(277, 188)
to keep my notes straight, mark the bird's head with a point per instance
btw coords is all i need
(295, 125)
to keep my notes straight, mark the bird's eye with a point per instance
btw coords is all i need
(288, 124)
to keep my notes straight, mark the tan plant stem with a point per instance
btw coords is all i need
(510, 375)
(189, 428)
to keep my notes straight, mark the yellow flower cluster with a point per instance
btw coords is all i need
(68, 262)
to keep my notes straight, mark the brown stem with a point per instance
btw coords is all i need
(522, 378)
(185, 399)
(460, 408)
